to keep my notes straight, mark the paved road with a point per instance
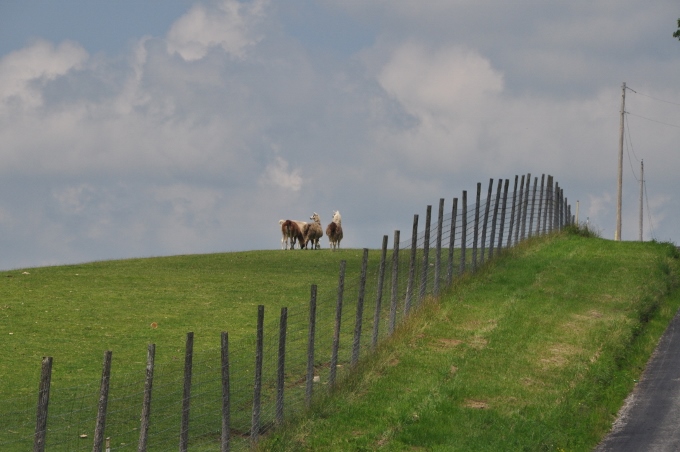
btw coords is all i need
(650, 419)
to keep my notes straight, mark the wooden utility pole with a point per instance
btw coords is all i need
(617, 234)
(642, 185)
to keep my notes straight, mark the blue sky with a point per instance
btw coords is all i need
(147, 128)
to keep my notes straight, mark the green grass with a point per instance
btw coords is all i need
(535, 352)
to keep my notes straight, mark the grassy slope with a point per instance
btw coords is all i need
(74, 313)
(536, 352)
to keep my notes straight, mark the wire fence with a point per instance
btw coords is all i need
(226, 397)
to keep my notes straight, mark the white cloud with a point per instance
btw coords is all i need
(277, 174)
(227, 25)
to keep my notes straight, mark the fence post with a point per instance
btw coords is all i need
(556, 207)
(257, 386)
(310, 347)
(525, 207)
(356, 344)
(281, 368)
(495, 217)
(476, 228)
(338, 320)
(463, 234)
(486, 217)
(146, 404)
(540, 206)
(412, 266)
(426, 257)
(512, 214)
(378, 297)
(438, 253)
(395, 284)
(100, 426)
(43, 402)
(226, 395)
(547, 223)
(503, 210)
(533, 206)
(452, 242)
(520, 203)
(186, 397)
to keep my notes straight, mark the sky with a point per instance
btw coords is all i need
(152, 128)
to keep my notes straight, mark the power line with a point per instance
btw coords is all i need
(649, 215)
(654, 120)
(655, 98)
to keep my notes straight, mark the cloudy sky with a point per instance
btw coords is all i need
(146, 128)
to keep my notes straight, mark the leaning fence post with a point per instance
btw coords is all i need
(452, 242)
(378, 297)
(495, 217)
(438, 253)
(43, 402)
(486, 218)
(146, 404)
(186, 397)
(338, 320)
(476, 228)
(100, 426)
(395, 284)
(356, 344)
(226, 395)
(463, 234)
(426, 257)
(503, 210)
(412, 266)
(520, 203)
(281, 368)
(310, 347)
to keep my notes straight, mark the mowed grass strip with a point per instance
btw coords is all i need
(537, 351)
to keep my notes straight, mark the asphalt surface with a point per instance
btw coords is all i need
(650, 417)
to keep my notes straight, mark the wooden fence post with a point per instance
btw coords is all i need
(338, 320)
(186, 397)
(452, 242)
(495, 217)
(225, 439)
(146, 403)
(503, 210)
(540, 206)
(395, 284)
(520, 204)
(438, 250)
(512, 214)
(310, 347)
(533, 206)
(463, 234)
(257, 386)
(100, 426)
(547, 217)
(43, 402)
(281, 368)
(412, 266)
(486, 218)
(476, 228)
(356, 344)
(426, 257)
(378, 297)
(525, 206)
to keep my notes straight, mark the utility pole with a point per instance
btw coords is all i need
(617, 234)
(642, 184)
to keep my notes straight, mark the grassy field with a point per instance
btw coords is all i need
(536, 352)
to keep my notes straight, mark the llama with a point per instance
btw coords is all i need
(334, 230)
(291, 230)
(313, 232)
(284, 239)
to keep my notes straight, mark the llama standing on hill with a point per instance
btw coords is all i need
(293, 238)
(334, 230)
(313, 232)
(291, 230)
